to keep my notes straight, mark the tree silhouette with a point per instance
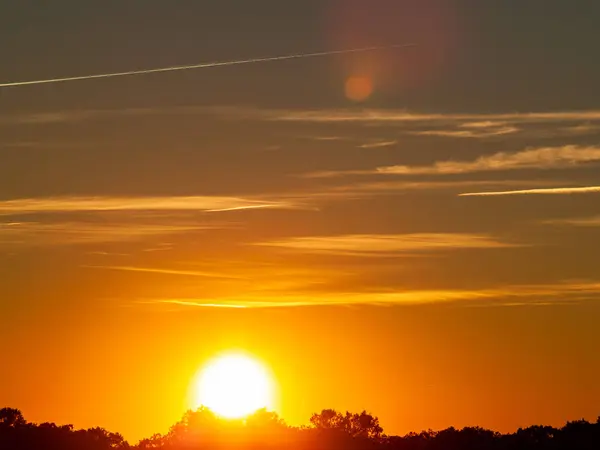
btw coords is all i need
(11, 417)
(264, 430)
(356, 425)
(326, 419)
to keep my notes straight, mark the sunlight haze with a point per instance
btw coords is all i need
(409, 231)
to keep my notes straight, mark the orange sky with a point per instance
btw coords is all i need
(415, 367)
(412, 232)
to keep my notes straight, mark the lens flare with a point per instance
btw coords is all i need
(359, 88)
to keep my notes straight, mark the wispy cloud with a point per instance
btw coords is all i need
(332, 299)
(379, 144)
(378, 244)
(394, 186)
(167, 271)
(103, 253)
(535, 125)
(66, 233)
(70, 116)
(327, 138)
(192, 303)
(390, 116)
(567, 156)
(593, 221)
(80, 115)
(474, 133)
(88, 204)
(585, 128)
(402, 116)
(508, 296)
(541, 191)
(533, 158)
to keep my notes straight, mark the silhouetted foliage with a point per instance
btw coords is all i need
(264, 430)
(10, 417)
(18, 434)
(356, 425)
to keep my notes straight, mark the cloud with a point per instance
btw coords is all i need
(567, 156)
(160, 271)
(80, 115)
(332, 299)
(593, 221)
(585, 128)
(67, 233)
(541, 191)
(560, 293)
(455, 126)
(533, 158)
(394, 186)
(389, 116)
(534, 125)
(70, 116)
(402, 116)
(334, 173)
(193, 303)
(475, 133)
(95, 204)
(378, 144)
(327, 138)
(380, 244)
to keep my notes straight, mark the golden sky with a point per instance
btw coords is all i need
(409, 231)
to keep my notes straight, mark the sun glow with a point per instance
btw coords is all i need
(233, 386)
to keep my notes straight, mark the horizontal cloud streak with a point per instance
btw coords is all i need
(395, 116)
(378, 244)
(66, 233)
(541, 191)
(577, 222)
(475, 133)
(193, 303)
(190, 273)
(509, 296)
(378, 144)
(534, 158)
(567, 156)
(585, 119)
(393, 186)
(455, 126)
(89, 204)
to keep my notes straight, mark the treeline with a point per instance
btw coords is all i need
(264, 430)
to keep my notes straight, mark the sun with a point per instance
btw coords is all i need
(233, 385)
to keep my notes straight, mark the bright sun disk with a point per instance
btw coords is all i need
(233, 386)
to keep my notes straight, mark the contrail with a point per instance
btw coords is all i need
(204, 65)
(549, 191)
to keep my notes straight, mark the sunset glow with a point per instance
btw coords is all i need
(241, 213)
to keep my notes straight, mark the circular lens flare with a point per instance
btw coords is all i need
(359, 88)
(233, 386)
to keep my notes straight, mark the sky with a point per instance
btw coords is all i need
(412, 231)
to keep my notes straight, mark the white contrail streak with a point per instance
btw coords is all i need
(547, 191)
(204, 65)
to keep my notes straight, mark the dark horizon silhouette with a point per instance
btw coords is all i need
(328, 429)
